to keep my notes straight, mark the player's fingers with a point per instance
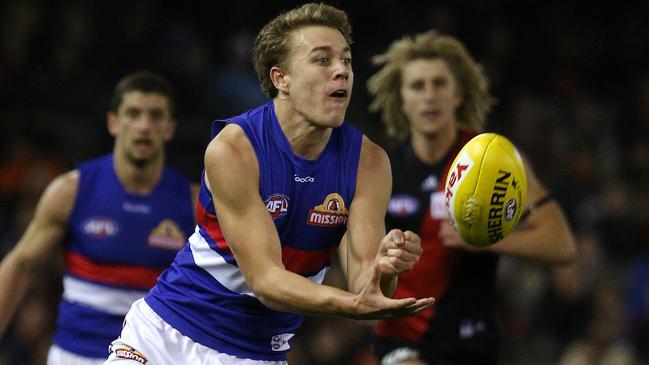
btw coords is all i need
(396, 236)
(407, 308)
(400, 304)
(402, 254)
(410, 236)
(394, 265)
(412, 247)
(422, 303)
(444, 227)
(419, 305)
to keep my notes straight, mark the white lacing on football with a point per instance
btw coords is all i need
(471, 211)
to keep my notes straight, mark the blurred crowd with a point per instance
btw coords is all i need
(572, 83)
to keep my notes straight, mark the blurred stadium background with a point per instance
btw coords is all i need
(572, 83)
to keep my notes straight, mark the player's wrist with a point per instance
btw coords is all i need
(388, 284)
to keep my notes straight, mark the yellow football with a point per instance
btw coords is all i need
(485, 189)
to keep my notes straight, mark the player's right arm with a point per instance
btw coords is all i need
(233, 178)
(39, 244)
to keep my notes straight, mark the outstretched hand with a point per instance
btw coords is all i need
(370, 303)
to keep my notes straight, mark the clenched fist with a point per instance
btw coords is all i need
(398, 252)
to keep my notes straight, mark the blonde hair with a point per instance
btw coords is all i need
(385, 85)
(272, 42)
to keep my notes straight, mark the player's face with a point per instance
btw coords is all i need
(141, 126)
(319, 75)
(430, 96)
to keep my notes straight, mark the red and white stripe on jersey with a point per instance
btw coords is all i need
(303, 262)
(207, 220)
(225, 273)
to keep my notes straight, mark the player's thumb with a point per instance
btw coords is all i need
(397, 237)
(375, 281)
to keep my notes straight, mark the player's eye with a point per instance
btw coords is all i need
(417, 85)
(440, 82)
(132, 113)
(157, 115)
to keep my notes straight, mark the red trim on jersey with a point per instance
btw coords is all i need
(211, 225)
(132, 276)
(431, 275)
(306, 262)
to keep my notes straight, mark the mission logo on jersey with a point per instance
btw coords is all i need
(330, 213)
(167, 235)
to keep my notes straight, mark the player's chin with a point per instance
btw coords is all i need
(332, 120)
(334, 112)
(141, 159)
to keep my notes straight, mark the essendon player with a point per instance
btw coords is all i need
(433, 98)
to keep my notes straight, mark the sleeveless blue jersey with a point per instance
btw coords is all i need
(116, 246)
(204, 294)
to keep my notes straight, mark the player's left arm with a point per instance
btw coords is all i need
(365, 244)
(543, 235)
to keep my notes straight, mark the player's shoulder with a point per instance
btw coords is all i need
(231, 138)
(230, 147)
(371, 149)
(66, 183)
(373, 157)
(59, 197)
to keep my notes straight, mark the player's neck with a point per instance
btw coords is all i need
(307, 139)
(135, 178)
(432, 148)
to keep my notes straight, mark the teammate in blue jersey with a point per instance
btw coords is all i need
(284, 185)
(119, 221)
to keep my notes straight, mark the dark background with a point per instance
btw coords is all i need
(572, 83)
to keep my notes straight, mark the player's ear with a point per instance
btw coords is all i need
(170, 130)
(111, 123)
(280, 79)
(458, 98)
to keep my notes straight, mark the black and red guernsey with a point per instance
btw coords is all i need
(460, 327)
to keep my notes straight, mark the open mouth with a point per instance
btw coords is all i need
(431, 113)
(144, 142)
(339, 94)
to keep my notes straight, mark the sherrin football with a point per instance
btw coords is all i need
(485, 189)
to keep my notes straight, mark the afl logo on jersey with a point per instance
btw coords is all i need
(100, 227)
(403, 205)
(167, 235)
(331, 212)
(277, 205)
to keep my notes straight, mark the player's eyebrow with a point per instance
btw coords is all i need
(328, 49)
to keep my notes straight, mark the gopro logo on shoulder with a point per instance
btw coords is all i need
(280, 342)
